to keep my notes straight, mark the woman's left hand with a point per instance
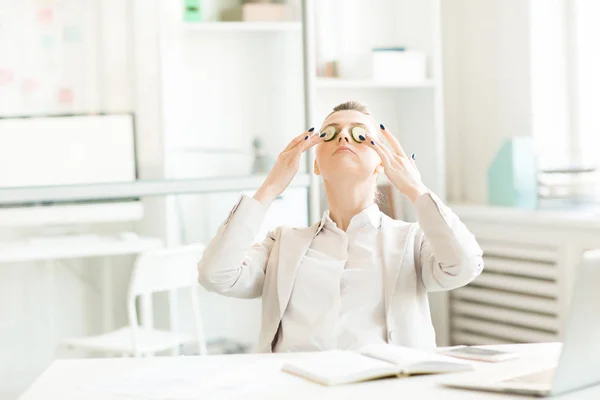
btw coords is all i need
(398, 167)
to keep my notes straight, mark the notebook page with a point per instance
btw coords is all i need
(337, 367)
(413, 360)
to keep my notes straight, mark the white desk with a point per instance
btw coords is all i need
(52, 249)
(69, 247)
(72, 379)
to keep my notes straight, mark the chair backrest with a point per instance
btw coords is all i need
(165, 269)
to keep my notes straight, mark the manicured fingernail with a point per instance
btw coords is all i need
(361, 137)
(373, 143)
(382, 127)
(413, 157)
(322, 134)
(311, 129)
(306, 137)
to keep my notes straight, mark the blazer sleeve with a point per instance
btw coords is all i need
(232, 264)
(448, 256)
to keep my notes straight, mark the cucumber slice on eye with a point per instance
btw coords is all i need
(329, 133)
(357, 132)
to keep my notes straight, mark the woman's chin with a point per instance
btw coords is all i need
(348, 162)
(347, 170)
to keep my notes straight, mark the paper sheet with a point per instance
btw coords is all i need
(405, 356)
(176, 381)
(336, 364)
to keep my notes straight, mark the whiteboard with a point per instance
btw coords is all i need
(64, 150)
(65, 57)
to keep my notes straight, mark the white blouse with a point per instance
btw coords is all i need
(337, 300)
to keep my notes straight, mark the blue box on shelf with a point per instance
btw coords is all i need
(512, 175)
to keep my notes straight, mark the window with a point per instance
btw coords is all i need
(587, 53)
(565, 82)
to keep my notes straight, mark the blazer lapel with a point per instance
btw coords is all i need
(393, 249)
(292, 248)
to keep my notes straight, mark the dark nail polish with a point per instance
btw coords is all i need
(361, 137)
(306, 137)
(382, 127)
(322, 134)
(311, 129)
(372, 142)
(413, 157)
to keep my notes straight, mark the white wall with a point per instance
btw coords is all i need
(487, 87)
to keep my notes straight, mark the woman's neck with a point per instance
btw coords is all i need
(347, 198)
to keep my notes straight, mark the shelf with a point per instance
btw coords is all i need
(336, 83)
(541, 218)
(243, 26)
(123, 190)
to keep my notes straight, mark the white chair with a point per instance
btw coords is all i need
(154, 271)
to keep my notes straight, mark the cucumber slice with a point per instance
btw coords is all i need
(330, 132)
(357, 132)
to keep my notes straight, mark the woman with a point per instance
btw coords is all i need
(358, 277)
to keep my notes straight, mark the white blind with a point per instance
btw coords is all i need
(587, 35)
(549, 83)
(565, 65)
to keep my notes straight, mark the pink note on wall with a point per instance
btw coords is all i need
(7, 76)
(30, 85)
(45, 16)
(65, 96)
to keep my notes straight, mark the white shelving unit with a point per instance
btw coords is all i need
(224, 84)
(412, 111)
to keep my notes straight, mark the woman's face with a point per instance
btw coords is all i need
(343, 157)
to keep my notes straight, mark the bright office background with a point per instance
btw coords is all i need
(126, 91)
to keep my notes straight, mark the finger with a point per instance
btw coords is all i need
(381, 144)
(395, 143)
(298, 139)
(310, 142)
(384, 153)
(413, 161)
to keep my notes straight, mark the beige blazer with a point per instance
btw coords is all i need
(436, 253)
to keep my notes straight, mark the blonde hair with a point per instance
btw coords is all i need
(351, 105)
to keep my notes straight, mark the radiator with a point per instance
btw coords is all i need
(514, 300)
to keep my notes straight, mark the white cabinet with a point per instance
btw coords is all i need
(531, 259)
(225, 83)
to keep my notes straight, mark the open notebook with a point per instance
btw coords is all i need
(371, 362)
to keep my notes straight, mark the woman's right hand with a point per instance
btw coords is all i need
(286, 167)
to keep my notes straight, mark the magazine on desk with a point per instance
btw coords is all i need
(371, 362)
